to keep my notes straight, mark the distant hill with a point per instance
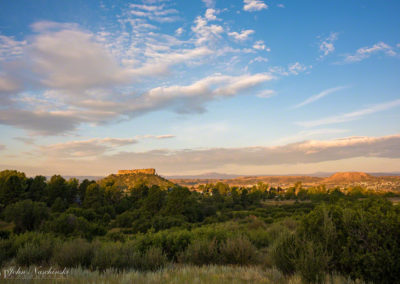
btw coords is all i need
(348, 177)
(128, 181)
(249, 180)
(205, 176)
(390, 174)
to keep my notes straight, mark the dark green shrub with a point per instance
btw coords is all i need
(106, 256)
(73, 253)
(35, 253)
(7, 250)
(260, 238)
(71, 225)
(361, 237)
(201, 252)
(171, 242)
(284, 254)
(115, 236)
(238, 250)
(312, 262)
(166, 222)
(153, 259)
(4, 234)
(117, 256)
(121, 256)
(125, 220)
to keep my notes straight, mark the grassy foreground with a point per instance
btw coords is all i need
(185, 274)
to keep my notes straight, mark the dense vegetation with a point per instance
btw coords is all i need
(311, 232)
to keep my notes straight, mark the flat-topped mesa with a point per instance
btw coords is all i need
(137, 171)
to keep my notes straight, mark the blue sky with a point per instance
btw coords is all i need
(244, 86)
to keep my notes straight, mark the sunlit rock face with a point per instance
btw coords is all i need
(138, 171)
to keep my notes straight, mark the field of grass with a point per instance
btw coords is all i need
(183, 274)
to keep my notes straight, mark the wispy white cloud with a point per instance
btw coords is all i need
(86, 148)
(243, 35)
(266, 94)
(297, 68)
(319, 96)
(260, 45)
(164, 136)
(10, 48)
(351, 115)
(254, 5)
(179, 31)
(292, 69)
(366, 52)
(211, 14)
(209, 3)
(307, 134)
(206, 33)
(258, 59)
(280, 5)
(326, 47)
(191, 98)
(158, 13)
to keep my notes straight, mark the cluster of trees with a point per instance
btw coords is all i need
(87, 209)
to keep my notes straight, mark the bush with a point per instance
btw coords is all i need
(7, 250)
(125, 220)
(74, 253)
(4, 234)
(362, 238)
(171, 242)
(153, 259)
(108, 255)
(126, 256)
(115, 236)
(201, 252)
(166, 222)
(260, 238)
(71, 225)
(284, 254)
(312, 262)
(238, 250)
(35, 252)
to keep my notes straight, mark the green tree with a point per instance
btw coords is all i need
(37, 188)
(154, 200)
(13, 185)
(177, 201)
(56, 187)
(27, 215)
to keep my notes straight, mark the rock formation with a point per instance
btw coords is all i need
(137, 171)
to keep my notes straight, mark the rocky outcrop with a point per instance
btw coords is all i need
(137, 171)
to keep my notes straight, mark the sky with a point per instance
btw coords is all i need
(188, 87)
